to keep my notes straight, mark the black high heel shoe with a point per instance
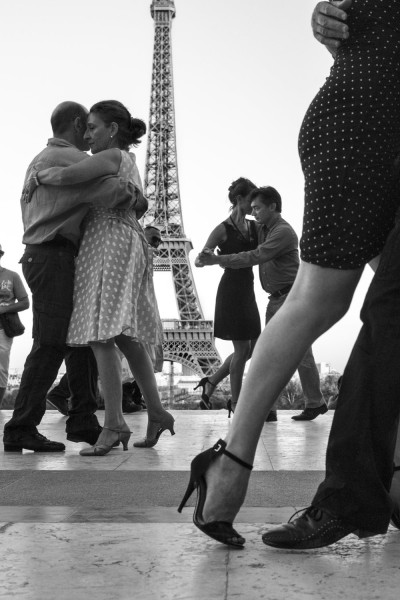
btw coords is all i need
(229, 408)
(222, 531)
(205, 402)
(395, 518)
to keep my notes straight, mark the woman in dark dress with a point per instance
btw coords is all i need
(236, 313)
(348, 144)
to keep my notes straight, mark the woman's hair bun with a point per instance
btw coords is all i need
(138, 128)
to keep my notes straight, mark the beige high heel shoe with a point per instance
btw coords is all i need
(102, 449)
(167, 422)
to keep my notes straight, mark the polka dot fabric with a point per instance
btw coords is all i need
(114, 290)
(348, 141)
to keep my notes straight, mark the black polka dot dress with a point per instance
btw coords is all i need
(348, 143)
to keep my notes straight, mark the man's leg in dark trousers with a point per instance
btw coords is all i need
(40, 370)
(82, 378)
(49, 273)
(50, 276)
(61, 391)
(359, 461)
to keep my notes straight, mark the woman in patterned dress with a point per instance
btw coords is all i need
(348, 144)
(114, 300)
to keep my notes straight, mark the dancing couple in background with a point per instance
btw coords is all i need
(236, 314)
(278, 258)
(114, 304)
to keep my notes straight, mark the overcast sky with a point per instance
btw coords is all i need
(245, 72)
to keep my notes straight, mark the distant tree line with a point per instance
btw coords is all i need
(291, 397)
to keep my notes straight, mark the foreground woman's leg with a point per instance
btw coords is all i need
(318, 299)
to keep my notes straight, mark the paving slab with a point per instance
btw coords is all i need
(107, 528)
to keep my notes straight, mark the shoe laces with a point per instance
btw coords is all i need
(41, 437)
(311, 511)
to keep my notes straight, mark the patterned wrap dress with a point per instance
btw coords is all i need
(236, 314)
(114, 290)
(349, 140)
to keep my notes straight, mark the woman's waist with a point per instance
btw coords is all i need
(244, 273)
(103, 213)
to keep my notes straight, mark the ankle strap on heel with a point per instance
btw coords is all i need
(117, 430)
(220, 448)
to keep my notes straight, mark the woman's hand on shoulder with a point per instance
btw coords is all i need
(30, 186)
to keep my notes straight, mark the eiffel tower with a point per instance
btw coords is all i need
(188, 340)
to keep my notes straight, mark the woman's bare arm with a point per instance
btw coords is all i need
(216, 237)
(106, 162)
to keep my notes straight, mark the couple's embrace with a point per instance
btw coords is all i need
(94, 203)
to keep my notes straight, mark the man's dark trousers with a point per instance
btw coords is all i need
(359, 460)
(49, 270)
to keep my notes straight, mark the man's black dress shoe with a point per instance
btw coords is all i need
(31, 441)
(272, 416)
(309, 414)
(129, 406)
(315, 528)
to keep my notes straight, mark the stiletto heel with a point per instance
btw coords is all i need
(103, 449)
(205, 402)
(222, 531)
(229, 408)
(167, 422)
(395, 518)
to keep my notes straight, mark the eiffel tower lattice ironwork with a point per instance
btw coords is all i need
(188, 340)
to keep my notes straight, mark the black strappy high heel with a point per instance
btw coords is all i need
(229, 408)
(395, 518)
(222, 531)
(205, 402)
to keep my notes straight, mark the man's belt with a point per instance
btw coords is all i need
(59, 242)
(282, 292)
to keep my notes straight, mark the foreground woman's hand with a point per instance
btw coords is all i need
(329, 23)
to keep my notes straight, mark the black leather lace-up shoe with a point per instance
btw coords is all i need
(30, 441)
(309, 414)
(315, 528)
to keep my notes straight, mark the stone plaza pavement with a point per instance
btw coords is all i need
(107, 528)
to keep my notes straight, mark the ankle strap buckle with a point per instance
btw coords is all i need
(220, 448)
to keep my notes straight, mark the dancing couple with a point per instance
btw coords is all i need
(114, 305)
